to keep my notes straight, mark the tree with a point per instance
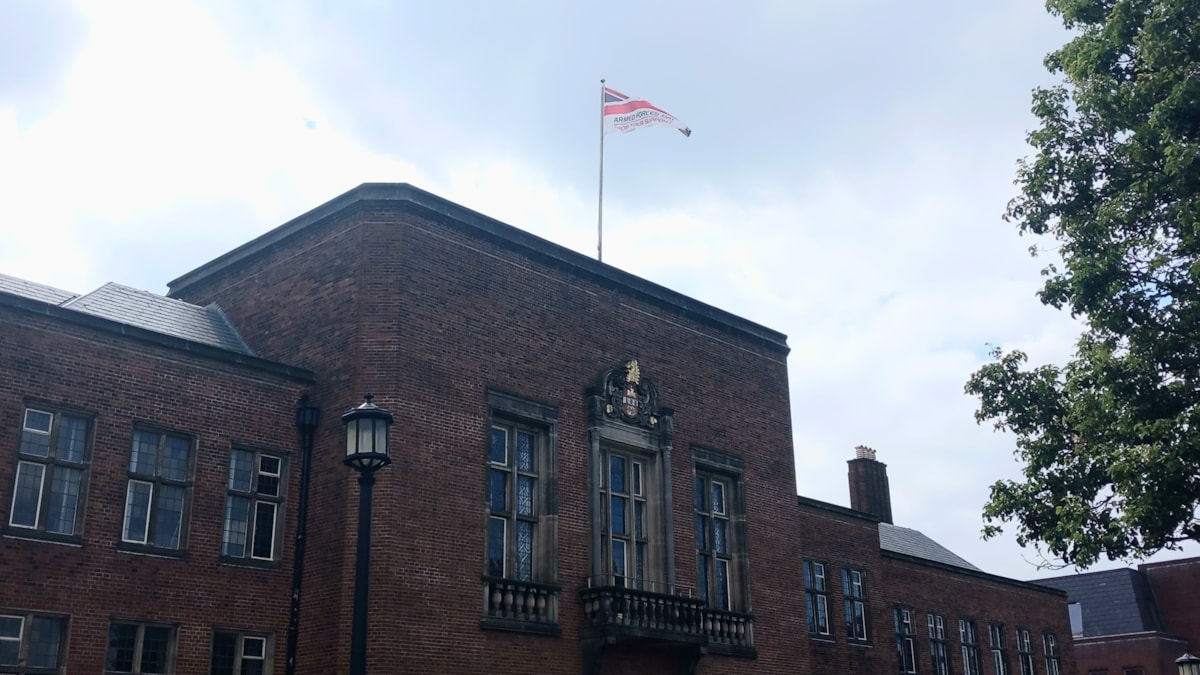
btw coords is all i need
(1111, 441)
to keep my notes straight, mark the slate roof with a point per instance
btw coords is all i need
(143, 309)
(913, 543)
(1112, 602)
(28, 289)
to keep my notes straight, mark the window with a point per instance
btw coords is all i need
(1024, 652)
(716, 540)
(970, 647)
(51, 472)
(816, 591)
(627, 519)
(937, 644)
(156, 498)
(253, 506)
(1133, 671)
(906, 644)
(140, 648)
(235, 653)
(31, 643)
(854, 588)
(513, 501)
(999, 655)
(1050, 646)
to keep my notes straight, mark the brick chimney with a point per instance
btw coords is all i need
(869, 491)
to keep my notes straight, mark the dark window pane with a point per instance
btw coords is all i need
(10, 639)
(254, 647)
(525, 495)
(252, 667)
(524, 550)
(498, 490)
(639, 513)
(175, 458)
(168, 518)
(28, 494)
(44, 637)
(122, 639)
(264, 530)
(723, 584)
(637, 478)
(269, 465)
(699, 495)
(268, 485)
(35, 436)
(701, 533)
(618, 523)
(616, 470)
(498, 451)
(618, 558)
(64, 497)
(143, 457)
(639, 563)
(703, 579)
(720, 543)
(223, 654)
(496, 527)
(156, 645)
(718, 497)
(237, 525)
(72, 438)
(524, 451)
(241, 470)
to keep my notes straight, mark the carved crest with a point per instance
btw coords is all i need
(629, 396)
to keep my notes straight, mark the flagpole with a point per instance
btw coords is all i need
(600, 202)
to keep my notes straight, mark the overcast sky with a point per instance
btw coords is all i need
(844, 182)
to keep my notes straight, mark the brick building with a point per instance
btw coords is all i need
(592, 474)
(1134, 621)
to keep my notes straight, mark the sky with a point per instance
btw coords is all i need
(844, 182)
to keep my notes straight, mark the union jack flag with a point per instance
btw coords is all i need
(624, 114)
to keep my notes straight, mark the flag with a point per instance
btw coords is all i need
(625, 114)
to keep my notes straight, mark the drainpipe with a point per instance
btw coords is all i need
(307, 418)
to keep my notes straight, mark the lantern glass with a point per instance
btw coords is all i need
(1188, 664)
(367, 436)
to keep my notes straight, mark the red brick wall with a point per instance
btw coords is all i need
(1154, 653)
(121, 381)
(841, 540)
(1176, 587)
(437, 318)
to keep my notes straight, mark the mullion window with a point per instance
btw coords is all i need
(854, 589)
(906, 643)
(31, 643)
(253, 510)
(1025, 652)
(999, 653)
(513, 502)
(970, 648)
(713, 547)
(157, 494)
(1050, 646)
(816, 592)
(52, 459)
(937, 644)
(239, 654)
(145, 649)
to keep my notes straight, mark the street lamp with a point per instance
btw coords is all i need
(1188, 664)
(366, 452)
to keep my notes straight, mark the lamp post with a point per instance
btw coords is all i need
(1188, 664)
(366, 452)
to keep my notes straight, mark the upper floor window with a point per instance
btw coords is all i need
(31, 643)
(238, 653)
(999, 653)
(937, 644)
(51, 477)
(628, 520)
(159, 488)
(1024, 652)
(1050, 647)
(854, 588)
(520, 574)
(716, 544)
(970, 646)
(253, 505)
(906, 642)
(143, 648)
(816, 592)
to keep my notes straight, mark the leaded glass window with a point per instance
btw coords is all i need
(253, 505)
(513, 495)
(48, 487)
(159, 489)
(626, 534)
(713, 546)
